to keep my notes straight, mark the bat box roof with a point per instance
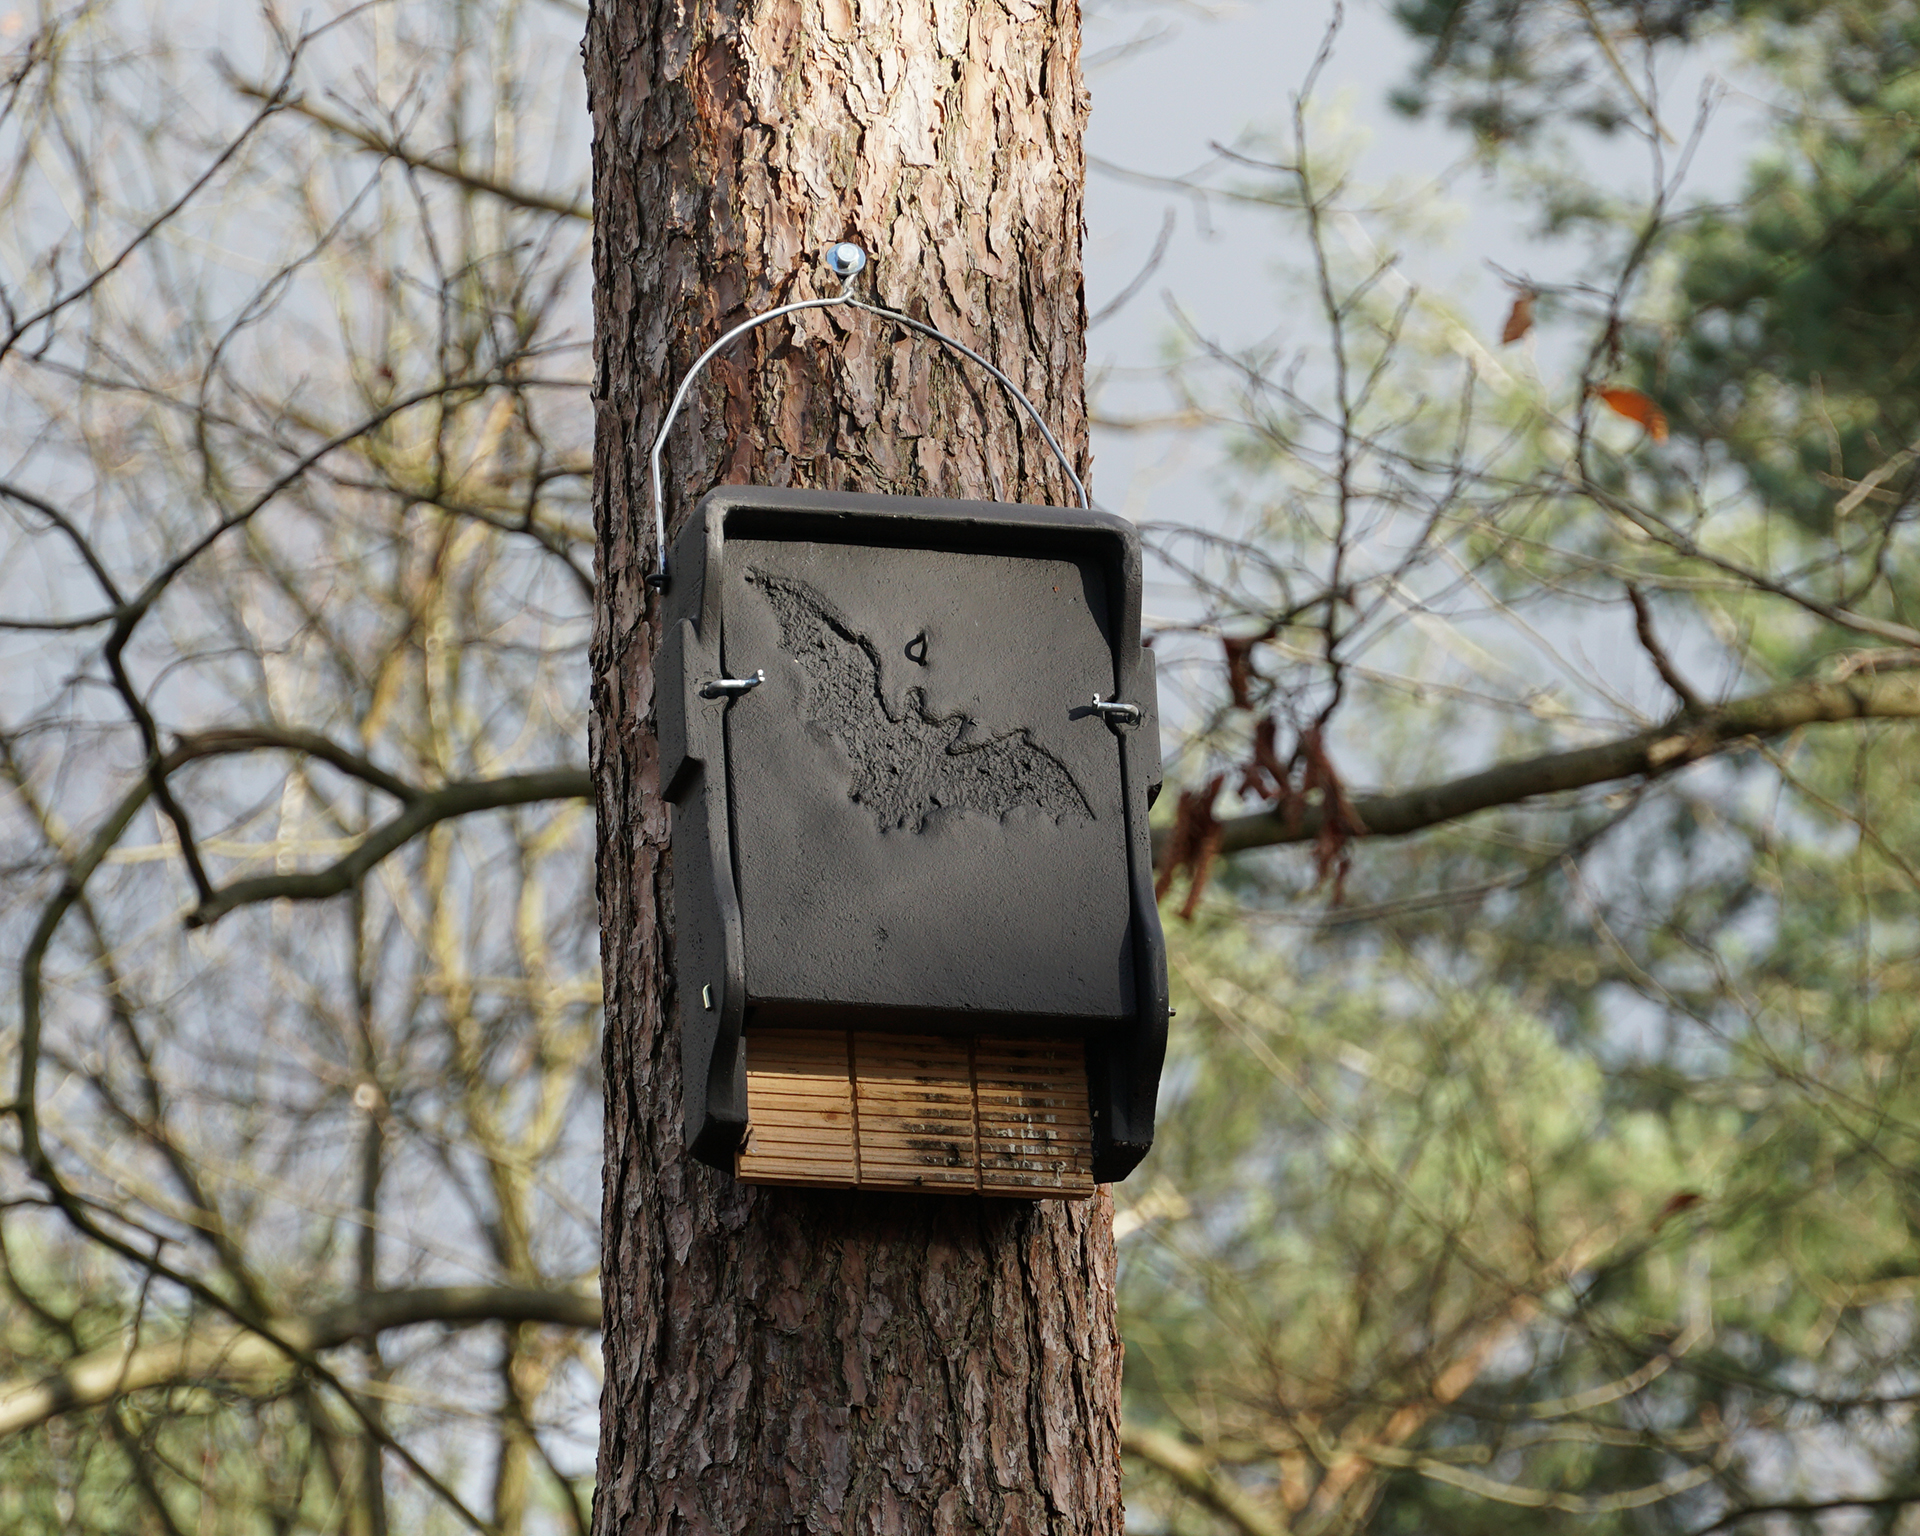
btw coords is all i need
(897, 810)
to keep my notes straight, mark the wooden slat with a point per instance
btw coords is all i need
(1035, 1128)
(915, 1099)
(799, 1110)
(917, 1112)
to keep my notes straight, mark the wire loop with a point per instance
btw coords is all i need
(846, 260)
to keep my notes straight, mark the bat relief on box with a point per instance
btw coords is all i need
(908, 762)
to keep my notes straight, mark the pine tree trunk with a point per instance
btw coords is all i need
(785, 1361)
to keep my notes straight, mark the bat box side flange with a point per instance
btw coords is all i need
(917, 825)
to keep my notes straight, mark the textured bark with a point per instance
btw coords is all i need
(782, 1361)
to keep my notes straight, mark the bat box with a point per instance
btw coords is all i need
(909, 747)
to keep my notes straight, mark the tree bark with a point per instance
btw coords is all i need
(787, 1360)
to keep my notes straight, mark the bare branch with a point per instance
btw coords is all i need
(252, 738)
(1811, 1507)
(1757, 580)
(272, 102)
(1120, 300)
(1686, 739)
(427, 810)
(474, 181)
(81, 544)
(238, 1355)
(1690, 701)
(1195, 1472)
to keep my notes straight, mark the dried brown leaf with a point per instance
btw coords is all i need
(1635, 406)
(1340, 824)
(1265, 777)
(1519, 318)
(1240, 672)
(1193, 843)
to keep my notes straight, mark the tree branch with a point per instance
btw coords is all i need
(1811, 1507)
(427, 810)
(82, 545)
(272, 100)
(229, 740)
(1688, 738)
(1690, 701)
(473, 181)
(1191, 1469)
(234, 1354)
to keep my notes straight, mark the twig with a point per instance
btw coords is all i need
(237, 1354)
(1195, 1473)
(393, 149)
(1690, 701)
(1119, 301)
(426, 810)
(1683, 740)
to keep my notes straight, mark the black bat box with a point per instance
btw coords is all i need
(918, 825)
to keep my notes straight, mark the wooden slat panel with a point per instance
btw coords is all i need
(918, 1112)
(1036, 1132)
(915, 1095)
(799, 1110)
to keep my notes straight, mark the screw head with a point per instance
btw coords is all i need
(845, 260)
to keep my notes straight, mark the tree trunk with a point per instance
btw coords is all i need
(787, 1361)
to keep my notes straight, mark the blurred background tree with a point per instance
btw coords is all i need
(1562, 1163)
(301, 1231)
(1539, 1139)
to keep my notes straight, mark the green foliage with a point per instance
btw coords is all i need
(1504, 70)
(1562, 1169)
(1601, 1204)
(1785, 338)
(1794, 312)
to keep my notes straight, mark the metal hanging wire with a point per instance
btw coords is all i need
(846, 261)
